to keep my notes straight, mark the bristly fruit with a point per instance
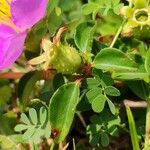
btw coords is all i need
(64, 58)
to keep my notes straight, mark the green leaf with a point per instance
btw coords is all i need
(5, 94)
(26, 85)
(53, 24)
(84, 36)
(36, 130)
(62, 109)
(29, 132)
(94, 139)
(93, 129)
(93, 93)
(90, 8)
(111, 59)
(51, 5)
(111, 106)
(36, 137)
(106, 80)
(43, 115)
(25, 119)
(33, 40)
(47, 130)
(147, 61)
(98, 103)
(130, 75)
(58, 81)
(104, 6)
(104, 139)
(91, 83)
(33, 116)
(112, 91)
(133, 132)
(140, 88)
(20, 127)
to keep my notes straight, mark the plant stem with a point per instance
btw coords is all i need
(147, 134)
(52, 146)
(117, 34)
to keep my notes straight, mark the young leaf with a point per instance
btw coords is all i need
(133, 133)
(94, 139)
(104, 139)
(62, 109)
(93, 93)
(112, 91)
(29, 132)
(84, 36)
(37, 129)
(25, 119)
(111, 59)
(43, 115)
(36, 137)
(91, 83)
(20, 127)
(33, 116)
(111, 106)
(90, 8)
(98, 103)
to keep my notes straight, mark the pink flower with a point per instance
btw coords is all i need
(23, 15)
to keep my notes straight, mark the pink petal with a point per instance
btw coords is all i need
(11, 45)
(25, 13)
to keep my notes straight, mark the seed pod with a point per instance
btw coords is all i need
(64, 58)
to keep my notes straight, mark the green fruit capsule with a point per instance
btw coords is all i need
(64, 58)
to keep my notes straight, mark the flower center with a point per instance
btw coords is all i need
(141, 16)
(5, 15)
(5, 9)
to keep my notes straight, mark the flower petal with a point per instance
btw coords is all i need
(11, 45)
(25, 13)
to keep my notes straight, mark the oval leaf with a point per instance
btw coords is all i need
(104, 139)
(98, 103)
(43, 115)
(33, 116)
(84, 36)
(30, 131)
(111, 106)
(112, 91)
(112, 59)
(93, 93)
(20, 127)
(25, 119)
(62, 109)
